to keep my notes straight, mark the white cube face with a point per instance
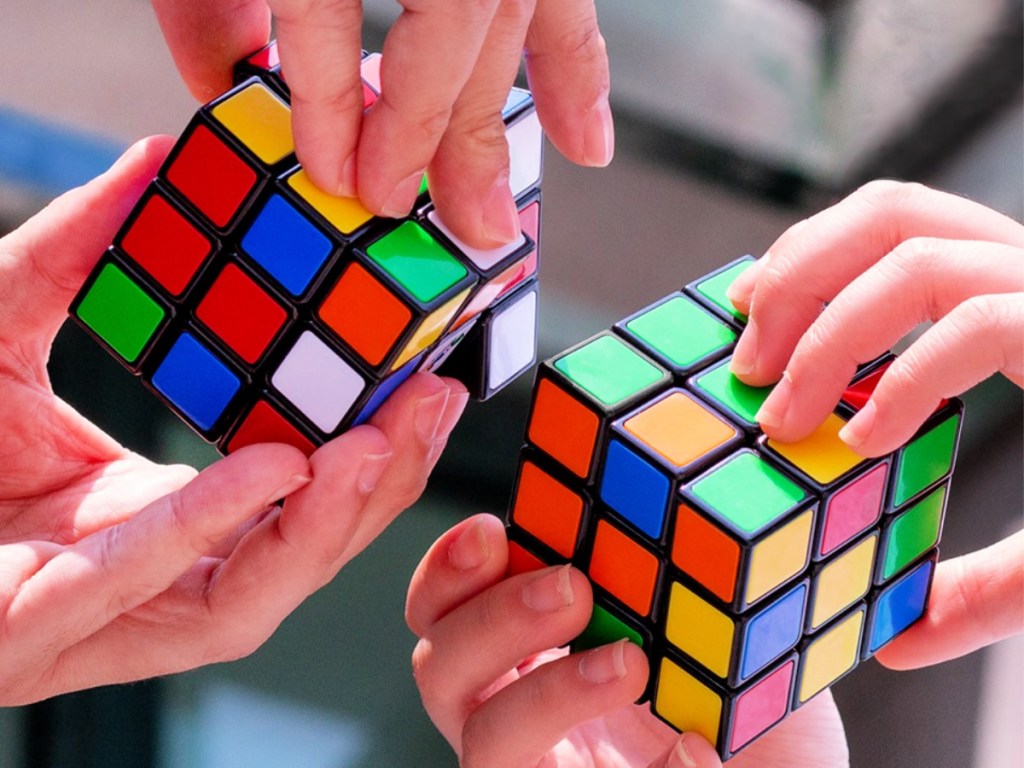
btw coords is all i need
(318, 382)
(484, 259)
(513, 342)
(525, 150)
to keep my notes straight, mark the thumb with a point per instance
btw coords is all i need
(976, 600)
(46, 260)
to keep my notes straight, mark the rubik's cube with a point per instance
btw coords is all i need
(260, 309)
(754, 574)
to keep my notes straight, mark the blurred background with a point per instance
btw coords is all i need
(735, 118)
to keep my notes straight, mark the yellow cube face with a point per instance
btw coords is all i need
(700, 630)
(430, 330)
(821, 455)
(842, 582)
(687, 703)
(260, 120)
(780, 557)
(345, 214)
(830, 656)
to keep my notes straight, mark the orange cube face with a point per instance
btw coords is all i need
(624, 568)
(705, 553)
(547, 509)
(564, 428)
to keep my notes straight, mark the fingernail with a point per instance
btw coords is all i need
(604, 665)
(773, 411)
(550, 591)
(500, 218)
(403, 196)
(681, 757)
(745, 356)
(452, 411)
(470, 549)
(857, 430)
(295, 482)
(599, 136)
(428, 415)
(742, 296)
(347, 183)
(373, 467)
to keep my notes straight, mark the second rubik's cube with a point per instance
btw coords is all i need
(261, 309)
(754, 574)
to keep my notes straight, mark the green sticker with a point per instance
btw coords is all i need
(417, 261)
(608, 369)
(748, 492)
(925, 460)
(120, 312)
(714, 288)
(913, 532)
(681, 332)
(604, 628)
(738, 398)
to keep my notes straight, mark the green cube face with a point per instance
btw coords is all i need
(925, 460)
(714, 287)
(748, 492)
(911, 533)
(417, 261)
(605, 628)
(120, 312)
(608, 370)
(680, 333)
(741, 401)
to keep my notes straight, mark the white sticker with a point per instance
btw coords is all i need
(370, 70)
(513, 342)
(318, 382)
(484, 259)
(525, 148)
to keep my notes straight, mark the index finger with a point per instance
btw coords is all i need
(811, 265)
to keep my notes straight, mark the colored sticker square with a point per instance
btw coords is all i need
(521, 560)
(687, 702)
(563, 427)
(780, 556)
(912, 533)
(700, 630)
(365, 314)
(706, 553)
(925, 460)
(259, 120)
(417, 262)
(761, 706)
(737, 398)
(385, 388)
(624, 568)
(287, 245)
(748, 492)
(241, 313)
(842, 581)
(120, 312)
(635, 489)
(774, 630)
(431, 329)
(265, 424)
(211, 176)
(900, 605)
(608, 370)
(547, 509)
(605, 628)
(483, 259)
(679, 429)
(512, 339)
(345, 214)
(821, 455)
(680, 332)
(853, 509)
(830, 656)
(196, 381)
(166, 244)
(317, 381)
(714, 288)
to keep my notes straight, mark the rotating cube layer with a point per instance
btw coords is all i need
(260, 309)
(753, 574)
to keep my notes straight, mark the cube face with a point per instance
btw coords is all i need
(259, 308)
(753, 574)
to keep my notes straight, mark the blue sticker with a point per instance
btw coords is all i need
(635, 489)
(287, 245)
(900, 605)
(196, 382)
(772, 632)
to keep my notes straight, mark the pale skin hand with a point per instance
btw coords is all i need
(447, 69)
(113, 568)
(885, 259)
(503, 698)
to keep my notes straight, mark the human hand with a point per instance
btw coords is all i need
(447, 69)
(114, 568)
(494, 684)
(884, 259)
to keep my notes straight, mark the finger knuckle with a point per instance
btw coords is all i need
(888, 193)
(422, 656)
(485, 133)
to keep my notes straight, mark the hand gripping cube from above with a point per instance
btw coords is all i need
(753, 574)
(263, 310)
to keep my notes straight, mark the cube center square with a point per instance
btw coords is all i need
(754, 574)
(260, 308)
